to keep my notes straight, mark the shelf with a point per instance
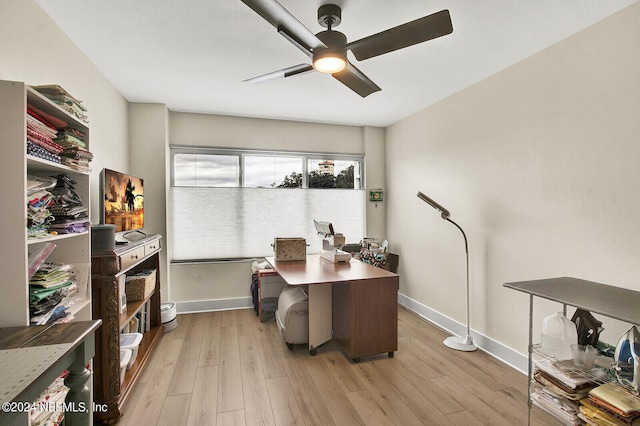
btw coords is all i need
(54, 238)
(613, 302)
(41, 102)
(40, 165)
(149, 341)
(132, 310)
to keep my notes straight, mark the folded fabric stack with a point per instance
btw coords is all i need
(41, 131)
(69, 213)
(75, 153)
(51, 291)
(39, 198)
(559, 386)
(67, 102)
(610, 405)
(53, 398)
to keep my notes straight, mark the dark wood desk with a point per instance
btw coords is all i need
(354, 303)
(31, 358)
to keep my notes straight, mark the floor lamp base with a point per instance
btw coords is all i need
(460, 343)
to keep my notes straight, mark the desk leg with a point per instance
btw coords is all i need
(319, 315)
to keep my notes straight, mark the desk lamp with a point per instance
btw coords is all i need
(455, 342)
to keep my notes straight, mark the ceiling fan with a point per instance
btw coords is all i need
(328, 49)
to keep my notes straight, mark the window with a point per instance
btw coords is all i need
(228, 204)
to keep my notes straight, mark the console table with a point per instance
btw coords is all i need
(31, 358)
(108, 274)
(354, 303)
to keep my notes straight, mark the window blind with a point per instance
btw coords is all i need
(228, 223)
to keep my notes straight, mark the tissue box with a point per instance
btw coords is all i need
(289, 249)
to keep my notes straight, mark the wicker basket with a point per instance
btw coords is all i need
(141, 285)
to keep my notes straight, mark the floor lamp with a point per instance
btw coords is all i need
(455, 342)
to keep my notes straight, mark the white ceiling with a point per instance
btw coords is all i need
(193, 55)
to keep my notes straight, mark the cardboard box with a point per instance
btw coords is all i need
(289, 249)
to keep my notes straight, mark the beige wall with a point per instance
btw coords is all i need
(223, 284)
(539, 165)
(34, 50)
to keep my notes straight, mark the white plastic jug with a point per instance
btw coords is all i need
(558, 334)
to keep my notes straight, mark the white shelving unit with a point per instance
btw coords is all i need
(613, 302)
(74, 249)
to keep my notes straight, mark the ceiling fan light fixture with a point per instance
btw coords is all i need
(329, 61)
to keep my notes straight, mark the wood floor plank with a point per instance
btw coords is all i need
(472, 402)
(313, 409)
(204, 399)
(463, 418)
(247, 324)
(175, 410)
(371, 413)
(231, 418)
(413, 397)
(272, 348)
(283, 402)
(387, 399)
(342, 370)
(185, 373)
(230, 397)
(330, 390)
(210, 349)
(149, 404)
(257, 406)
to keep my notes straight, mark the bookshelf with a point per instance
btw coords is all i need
(109, 270)
(72, 249)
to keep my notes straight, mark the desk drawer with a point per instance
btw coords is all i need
(131, 257)
(151, 247)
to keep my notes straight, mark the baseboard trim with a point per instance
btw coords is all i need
(505, 354)
(196, 306)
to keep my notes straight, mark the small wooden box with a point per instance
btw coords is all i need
(141, 285)
(289, 249)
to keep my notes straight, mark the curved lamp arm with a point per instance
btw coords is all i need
(466, 343)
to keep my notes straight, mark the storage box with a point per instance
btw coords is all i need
(289, 249)
(125, 357)
(131, 341)
(141, 285)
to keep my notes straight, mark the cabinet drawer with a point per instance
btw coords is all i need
(151, 247)
(131, 257)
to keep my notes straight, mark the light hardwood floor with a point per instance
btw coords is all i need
(227, 368)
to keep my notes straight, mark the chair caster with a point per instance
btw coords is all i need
(289, 345)
(313, 351)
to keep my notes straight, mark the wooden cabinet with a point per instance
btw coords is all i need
(74, 249)
(108, 273)
(365, 316)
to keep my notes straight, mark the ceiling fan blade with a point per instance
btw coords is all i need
(283, 73)
(405, 35)
(274, 13)
(355, 80)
